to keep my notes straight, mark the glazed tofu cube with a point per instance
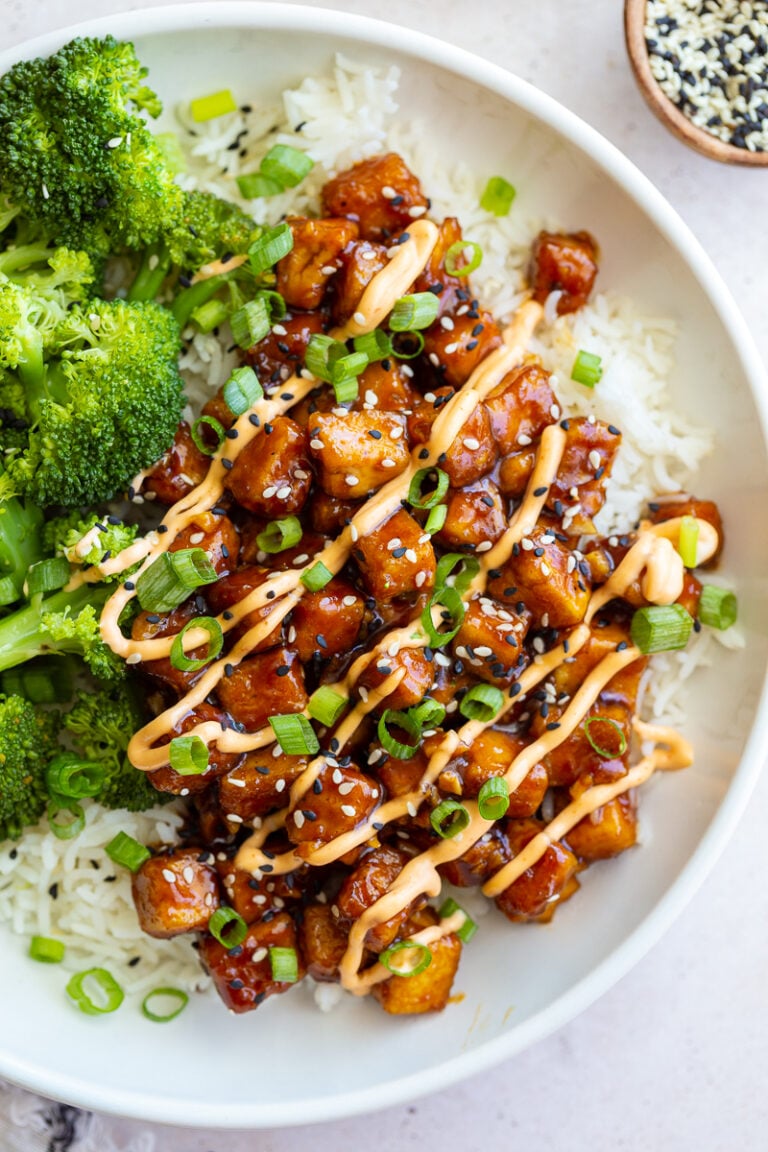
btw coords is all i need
(167, 779)
(396, 558)
(515, 471)
(175, 893)
(216, 535)
(472, 454)
(243, 975)
(490, 641)
(260, 784)
(451, 291)
(280, 354)
(359, 264)
(323, 942)
(455, 352)
(346, 798)
(475, 516)
(385, 387)
(578, 492)
(151, 626)
(266, 685)
(368, 881)
(381, 194)
(431, 989)
(231, 589)
(272, 475)
(178, 470)
(552, 879)
(479, 862)
(521, 407)
(567, 263)
(415, 684)
(544, 574)
(303, 275)
(327, 623)
(254, 899)
(357, 453)
(690, 506)
(491, 754)
(607, 831)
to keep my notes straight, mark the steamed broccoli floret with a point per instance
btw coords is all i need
(101, 725)
(27, 742)
(20, 544)
(207, 230)
(103, 405)
(65, 622)
(77, 157)
(86, 540)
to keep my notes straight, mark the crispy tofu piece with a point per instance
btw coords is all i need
(701, 509)
(565, 262)
(272, 475)
(521, 406)
(490, 641)
(243, 975)
(380, 194)
(359, 264)
(515, 471)
(327, 623)
(431, 989)
(474, 515)
(479, 862)
(543, 574)
(303, 275)
(367, 882)
(385, 387)
(491, 754)
(231, 589)
(262, 782)
(175, 893)
(167, 779)
(394, 556)
(455, 352)
(607, 831)
(472, 454)
(216, 535)
(269, 684)
(415, 685)
(552, 879)
(151, 626)
(357, 453)
(254, 899)
(578, 489)
(180, 469)
(346, 798)
(280, 354)
(323, 942)
(451, 291)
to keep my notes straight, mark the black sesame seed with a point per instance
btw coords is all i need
(267, 868)
(53, 891)
(262, 770)
(540, 491)
(227, 464)
(228, 670)
(283, 670)
(134, 960)
(267, 429)
(374, 433)
(129, 585)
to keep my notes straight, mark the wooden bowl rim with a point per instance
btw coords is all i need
(659, 103)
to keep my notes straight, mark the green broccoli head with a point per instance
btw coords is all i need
(106, 408)
(210, 228)
(77, 632)
(77, 157)
(86, 539)
(101, 725)
(27, 742)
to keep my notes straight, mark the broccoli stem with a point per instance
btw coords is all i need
(155, 266)
(20, 527)
(200, 293)
(21, 635)
(31, 369)
(22, 257)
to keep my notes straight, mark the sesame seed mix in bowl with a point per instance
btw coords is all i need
(68, 889)
(710, 57)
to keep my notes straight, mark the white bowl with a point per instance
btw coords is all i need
(289, 1064)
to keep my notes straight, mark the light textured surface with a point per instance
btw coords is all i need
(674, 1056)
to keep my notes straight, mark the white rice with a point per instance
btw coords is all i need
(339, 119)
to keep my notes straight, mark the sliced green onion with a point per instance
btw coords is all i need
(414, 312)
(482, 702)
(228, 927)
(284, 964)
(498, 196)
(271, 246)
(407, 345)
(449, 599)
(209, 107)
(179, 658)
(280, 534)
(295, 734)
(493, 798)
(415, 496)
(9, 591)
(316, 577)
(587, 369)
(178, 998)
(210, 315)
(212, 423)
(409, 724)
(242, 390)
(688, 540)
(109, 992)
(460, 580)
(276, 306)
(346, 365)
(449, 818)
(127, 852)
(169, 580)
(428, 713)
(326, 705)
(48, 575)
(606, 753)
(46, 950)
(70, 776)
(420, 958)
(253, 185)
(70, 828)
(718, 607)
(457, 252)
(287, 165)
(436, 519)
(251, 323)
(41, 681)
(321, 352)
(346, 390)
(173, 153)
(468, 928)
(661, 628)
(188, 755)
(374, 345)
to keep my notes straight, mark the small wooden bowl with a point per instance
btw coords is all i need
(669, 113)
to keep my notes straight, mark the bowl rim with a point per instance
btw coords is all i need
(270, 15)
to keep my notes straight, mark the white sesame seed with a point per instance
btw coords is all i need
(184, 792)
(208, 901)
(419, 579)
(46, 193)
(349, 601)
(347, 809)
(189, 874)
(412, 810)
(387, 462)
(430, 397)
(354, 534)
(280, 786)
(359, 318)
(367, 256)
(115, 142)
(416, 211)
(524, 440)
(594, 458)
(443, 660)
(134, 658)
(237, 781)
(546, 571)
(411, 555)
(485, 546)
(471, 443)
(197, 538)
(316, 444)
(346, 788)
(395, 542)
(338, 776)
(526, 544)
(269, 492)
(259, 955)
(371, 397)
(284, 492)
(169, 876)
(447, 323)
(300, 560)
(434, 359)
(363, 694)
(483, 651)
(279, 330)
(396, 433)
(538, 644)
(328, 269)
(375, 756)
(298, 819)
(388, 192)
(352, 481)
(234, 818)
(300, 474)
(406, 370)
(451, 348)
